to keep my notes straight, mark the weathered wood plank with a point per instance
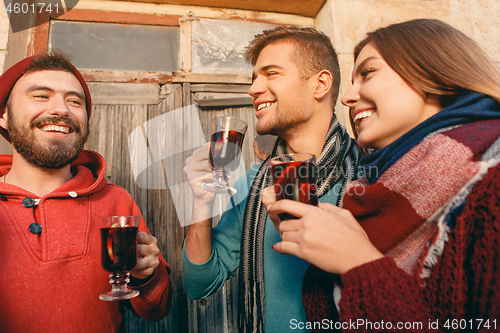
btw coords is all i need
(309, 8)
(185, 43)
(170, 234)
(220, 310)
(182, 77)
(124, 93)
(222, 88)
(111, 126)
(91, 75)
(223, 102)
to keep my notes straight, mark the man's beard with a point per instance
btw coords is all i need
(54, 154)
(278, 125)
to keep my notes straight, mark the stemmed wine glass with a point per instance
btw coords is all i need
(119, 254)
(225, 150)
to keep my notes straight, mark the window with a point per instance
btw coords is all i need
(110, 46)
(217, 46)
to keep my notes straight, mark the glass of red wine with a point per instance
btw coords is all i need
(294, 177)
(225, 150)
(119, 254)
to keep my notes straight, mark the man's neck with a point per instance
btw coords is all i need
(36, 180)
(310, 137)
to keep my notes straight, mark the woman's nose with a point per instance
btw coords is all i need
(350, 97)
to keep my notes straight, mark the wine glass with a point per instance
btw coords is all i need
(225, 150)
(119, 254)
(294, 177)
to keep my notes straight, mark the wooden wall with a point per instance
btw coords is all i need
(111, 125)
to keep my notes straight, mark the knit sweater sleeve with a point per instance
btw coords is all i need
(379, 292)
(463, 288)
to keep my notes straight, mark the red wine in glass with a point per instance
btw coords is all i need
(119, 254)
(294, 177)
(119, 248)
(225, 150)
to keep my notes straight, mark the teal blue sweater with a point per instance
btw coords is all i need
(283, 274)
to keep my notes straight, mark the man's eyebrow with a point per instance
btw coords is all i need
(33, 88)
(70, 92)
(76, 93)
(265, 68)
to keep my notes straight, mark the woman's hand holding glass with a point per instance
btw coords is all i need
(326, 236)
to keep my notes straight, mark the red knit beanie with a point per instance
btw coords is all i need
(14, 73)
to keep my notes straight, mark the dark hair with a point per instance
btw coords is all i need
(435, 57)
(55, 60)
(314, 51)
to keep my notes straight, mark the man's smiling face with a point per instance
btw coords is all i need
(282, 97)
(46, 118)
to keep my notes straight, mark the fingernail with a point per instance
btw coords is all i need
(273, 246)
(268, 207)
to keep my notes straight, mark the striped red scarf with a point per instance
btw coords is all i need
(404, 211)
(413, 186)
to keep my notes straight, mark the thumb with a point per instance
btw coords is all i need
(268, 196)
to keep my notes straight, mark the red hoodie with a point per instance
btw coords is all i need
(51, 281)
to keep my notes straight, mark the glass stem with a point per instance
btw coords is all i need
(119, 281)
(221, 176)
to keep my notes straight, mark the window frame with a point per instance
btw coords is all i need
(41, 31)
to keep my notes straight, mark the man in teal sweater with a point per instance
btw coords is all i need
(294, 89)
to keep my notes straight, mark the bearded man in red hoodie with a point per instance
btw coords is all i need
(51, 194)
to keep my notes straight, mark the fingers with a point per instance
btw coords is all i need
(200, 154)
(198, 165)
(145, 267)
(328, 237)
(145, 238)
(268, 196)
(147, 256)
(287, 248)
(329, 207)
(291, 236)
(198, 171)
(291, 207)
(147, 245)
(289, 225)
(343, 216)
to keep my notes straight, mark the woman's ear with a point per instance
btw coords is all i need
(433, 104)
(324, 84)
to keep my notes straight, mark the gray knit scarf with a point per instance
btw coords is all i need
(339, 158)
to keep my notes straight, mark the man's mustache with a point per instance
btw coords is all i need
(55, 120)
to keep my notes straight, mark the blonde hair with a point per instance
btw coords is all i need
(435, 57)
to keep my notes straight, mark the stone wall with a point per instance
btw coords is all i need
(4, 34)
